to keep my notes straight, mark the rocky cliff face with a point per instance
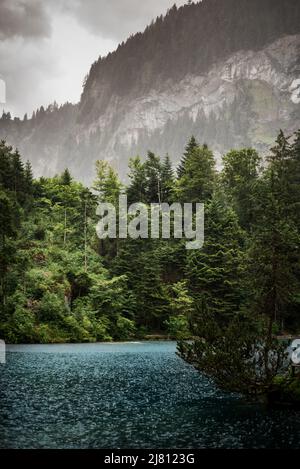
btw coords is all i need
(243, 100)
(240, 99)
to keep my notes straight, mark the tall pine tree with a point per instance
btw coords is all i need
(198, 181)
(191, 146)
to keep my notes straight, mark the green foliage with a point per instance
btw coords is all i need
(273, 255)
(60, 283)
(191, 146)
(153, 170)
(167, 180)
(286, 391)
(181, 309)
(242, 357)
(66, 178)
(51, 308)
(198, 177)
(152, 181)
(140, 261)
(246, 283)
(107, 183)
(136, 191)
(240, 177)
(214, 271)
(178, 327)
(125, 328)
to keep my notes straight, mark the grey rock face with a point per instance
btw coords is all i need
(241, 101)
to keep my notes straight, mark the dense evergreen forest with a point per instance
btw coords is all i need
(60, 283)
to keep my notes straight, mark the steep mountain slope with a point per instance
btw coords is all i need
(227, 71)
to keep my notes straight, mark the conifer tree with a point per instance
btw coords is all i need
(28, 176)
(66, 178)
(191, 146)
(198, 181)
(9, 218)
(153, 175)
(274, 252)
(240, 177)
(294, 180)
(214, 270)
(107, 183)
(136, 191)
(167, 180)
(17, 169)
(5, 166)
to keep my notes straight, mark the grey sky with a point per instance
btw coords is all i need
(47, 46)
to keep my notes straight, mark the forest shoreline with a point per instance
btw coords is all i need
(134, 340)
(108, 342)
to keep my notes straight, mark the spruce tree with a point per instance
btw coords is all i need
(240, 177)
(107, 183)
(153, 175)
(66, 178)
(214, 270)
(28, 176)
(136, 191)
(294, 180)
(198, 181)
(139, 261)
(6, 177)
(274, 251)
(191, 146)
(17, 168)
(167, 180)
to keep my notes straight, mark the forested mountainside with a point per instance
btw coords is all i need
(60, 283)
(188, 40)
(226, 70)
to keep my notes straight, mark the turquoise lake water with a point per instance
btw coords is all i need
(138, 395)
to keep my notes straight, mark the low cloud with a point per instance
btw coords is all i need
(24, 18)
(25, 66)
(48, 46)
(117, 19)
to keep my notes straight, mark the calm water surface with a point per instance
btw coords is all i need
(138, 395)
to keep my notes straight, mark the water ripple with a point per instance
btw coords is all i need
(126, 396)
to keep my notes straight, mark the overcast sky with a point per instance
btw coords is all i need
(48, 46)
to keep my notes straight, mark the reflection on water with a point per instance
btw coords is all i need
(137, 395)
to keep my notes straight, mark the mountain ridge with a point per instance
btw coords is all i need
(234, 87)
